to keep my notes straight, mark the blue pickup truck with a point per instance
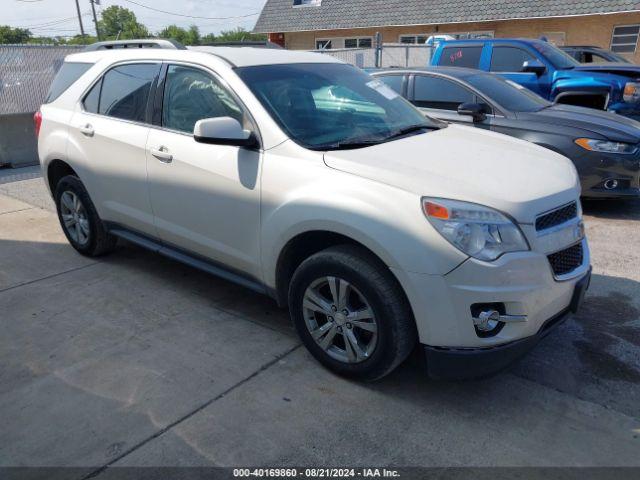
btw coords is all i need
(548, 71)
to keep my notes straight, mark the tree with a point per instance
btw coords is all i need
(119, 22)
(236, 35)
(186, 37)
(14, 35)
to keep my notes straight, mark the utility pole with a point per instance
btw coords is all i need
(95, 19)
(80, 18)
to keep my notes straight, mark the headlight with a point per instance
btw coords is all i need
(631, 92)
(605, 146)
(478, 231)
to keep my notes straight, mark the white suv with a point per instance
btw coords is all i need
(302, 177)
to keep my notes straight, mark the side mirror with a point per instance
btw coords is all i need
(223, 131)
(473, 110)
(534, 66)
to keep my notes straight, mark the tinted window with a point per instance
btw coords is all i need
(91, 101)
(434, 92)
(393, 81)
(69, 73)
(557, 57)
(191, 95)
(332, 105)
(461, 56)
(509, 59)
(509, 95)
(125, 91)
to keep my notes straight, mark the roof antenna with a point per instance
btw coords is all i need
(544, 38)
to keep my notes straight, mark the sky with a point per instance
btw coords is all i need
(59, 17)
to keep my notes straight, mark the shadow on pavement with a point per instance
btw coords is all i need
(612, 209)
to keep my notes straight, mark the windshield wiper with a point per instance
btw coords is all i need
(411, 129)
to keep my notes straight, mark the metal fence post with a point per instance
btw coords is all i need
(378, 49)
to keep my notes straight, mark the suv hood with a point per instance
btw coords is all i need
(609, 125)
(468, 164)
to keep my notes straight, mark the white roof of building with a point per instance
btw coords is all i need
(237, 56)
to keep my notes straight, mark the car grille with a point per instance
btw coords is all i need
(557, 216)
(567, 260)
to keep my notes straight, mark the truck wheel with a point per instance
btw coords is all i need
(351, 313)
(79, 220)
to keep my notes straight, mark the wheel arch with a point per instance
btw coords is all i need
(302, 246)
(56, 170)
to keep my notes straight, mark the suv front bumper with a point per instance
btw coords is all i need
(466, 363)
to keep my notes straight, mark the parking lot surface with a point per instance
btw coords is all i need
(135, 360)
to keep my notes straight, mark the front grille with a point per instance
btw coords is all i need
(567, 260)
(557, 216)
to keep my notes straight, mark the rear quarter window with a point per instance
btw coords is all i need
(67, 75)
(468, 57)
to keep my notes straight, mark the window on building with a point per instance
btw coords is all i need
(509, 59)
(365, 42)
(323, 45)
(440, 93)
(414, 39)
(125, 91)
(461, 57)
(625, 38)
(307, 3)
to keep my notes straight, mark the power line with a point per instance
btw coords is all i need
(192, 16)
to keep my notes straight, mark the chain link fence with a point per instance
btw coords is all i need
(26, 72)
(386, 56)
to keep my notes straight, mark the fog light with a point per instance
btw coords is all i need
(487, 320)
(611, 184)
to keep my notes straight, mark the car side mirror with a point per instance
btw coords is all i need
(473, 110)
(223, 131)
(534, 66)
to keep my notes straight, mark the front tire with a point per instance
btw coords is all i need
(351, 313)
(79, 219)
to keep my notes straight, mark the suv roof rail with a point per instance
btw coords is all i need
(243, 43)
(136, 43)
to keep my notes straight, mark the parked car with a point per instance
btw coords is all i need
(549, 72)
(603, 146)
(591, 54)
(301, 177)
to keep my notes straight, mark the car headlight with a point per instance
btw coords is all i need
(605, 146)
(480, 232)
(631, 92)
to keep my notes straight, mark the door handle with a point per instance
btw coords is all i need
(87, 130)
(162, 154)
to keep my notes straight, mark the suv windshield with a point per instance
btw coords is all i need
(331, 106)
(558, 58)
(507, 94)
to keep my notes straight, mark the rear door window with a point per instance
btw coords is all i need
(68, 74)
(509, 59)
(125, 91)
(91, 100)
(440, 93)
(468, 57)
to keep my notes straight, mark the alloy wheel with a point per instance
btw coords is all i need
(340, 319)
(74, 217)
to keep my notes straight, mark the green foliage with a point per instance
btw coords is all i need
(14, 35)
(121, 23)
(235, 35)
(184, 36)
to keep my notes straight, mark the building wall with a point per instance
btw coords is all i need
(587, 30)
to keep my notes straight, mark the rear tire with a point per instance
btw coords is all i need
(351, 313)
(79, 219)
